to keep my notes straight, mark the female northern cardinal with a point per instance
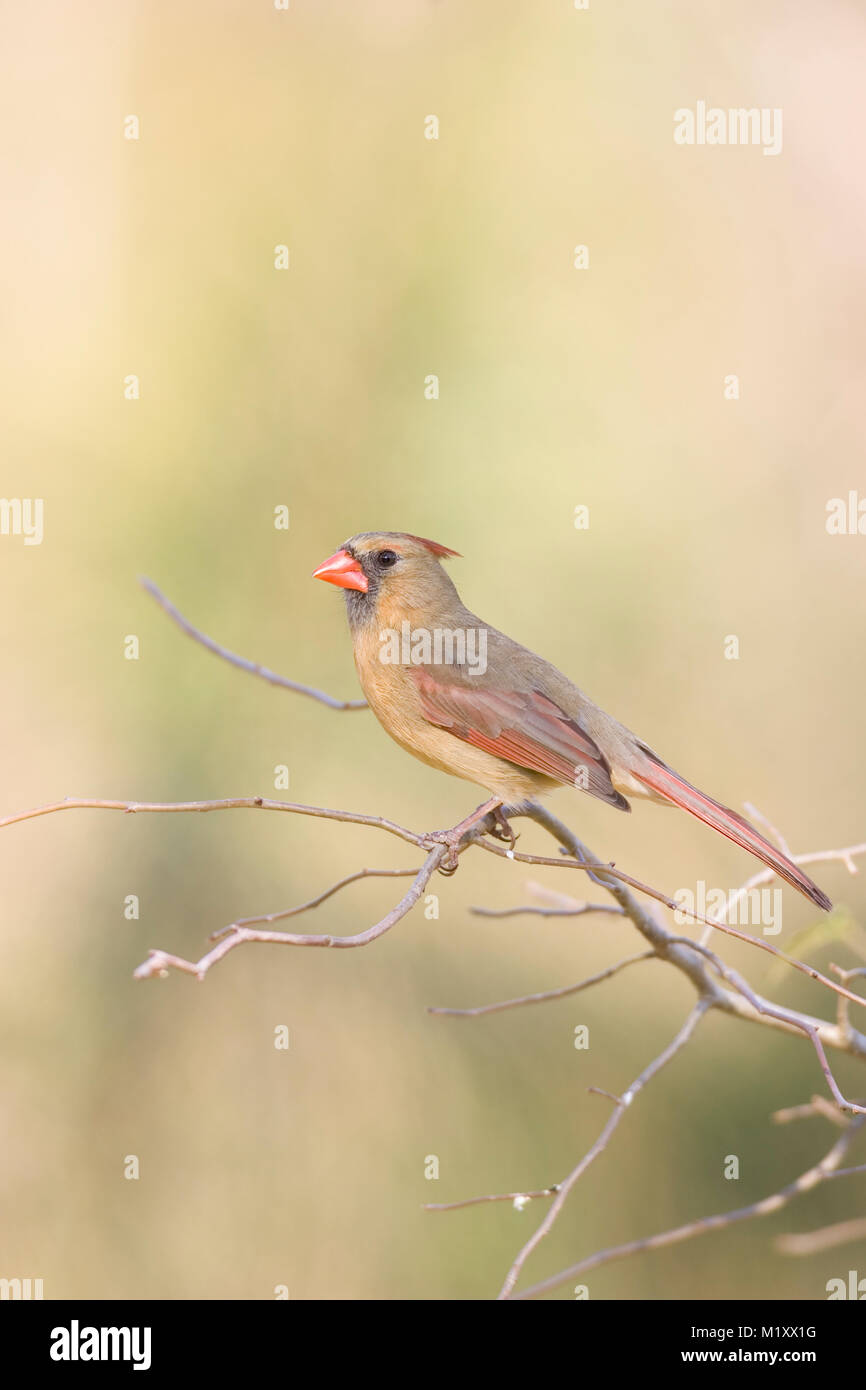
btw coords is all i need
(468, 700)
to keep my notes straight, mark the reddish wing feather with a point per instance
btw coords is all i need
(527, 729)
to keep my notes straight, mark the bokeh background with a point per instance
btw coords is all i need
(305, 388)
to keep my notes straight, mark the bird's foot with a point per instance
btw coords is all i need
(451, 840)
(502, 829)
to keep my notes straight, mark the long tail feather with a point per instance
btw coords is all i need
(676, 789)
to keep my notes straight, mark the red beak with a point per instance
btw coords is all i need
(343, 570)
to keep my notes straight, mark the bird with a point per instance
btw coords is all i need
(467, 699)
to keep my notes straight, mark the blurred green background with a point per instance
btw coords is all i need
(558, 388)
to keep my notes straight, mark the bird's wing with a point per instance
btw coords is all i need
(524, 727)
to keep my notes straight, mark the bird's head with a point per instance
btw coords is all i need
(388, 575)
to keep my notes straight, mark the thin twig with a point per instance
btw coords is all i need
(254, 668)
(159, 963)
(518, 1199)
(818, 1105)
(548, 994)
(579, 911)
(842, 1016)
(313, 902)
(842, 1233)
(231, 803)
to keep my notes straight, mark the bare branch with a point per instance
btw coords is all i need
(232, 803)
(159, 963)
(579, 911)
(842, 1016)
(683, 952)
(818, 1105)
(842, 1233)
(789, 1017)
(602, 872)
(812, 1178)
(548, 994)
(254, 668)
(518, 1199)
(313, 902)
(564, 1188)
(790, 1020)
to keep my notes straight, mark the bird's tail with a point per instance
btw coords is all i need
(667, 783)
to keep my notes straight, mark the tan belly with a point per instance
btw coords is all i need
(395, 703)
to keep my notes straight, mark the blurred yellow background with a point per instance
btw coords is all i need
(559, 388)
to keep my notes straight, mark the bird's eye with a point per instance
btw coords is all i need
(387, 558)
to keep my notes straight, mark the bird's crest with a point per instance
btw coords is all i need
(433, 546)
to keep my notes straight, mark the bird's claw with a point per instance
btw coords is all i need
(502, 829)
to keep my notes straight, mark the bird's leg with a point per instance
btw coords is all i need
(502, 828)
(452, 837)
